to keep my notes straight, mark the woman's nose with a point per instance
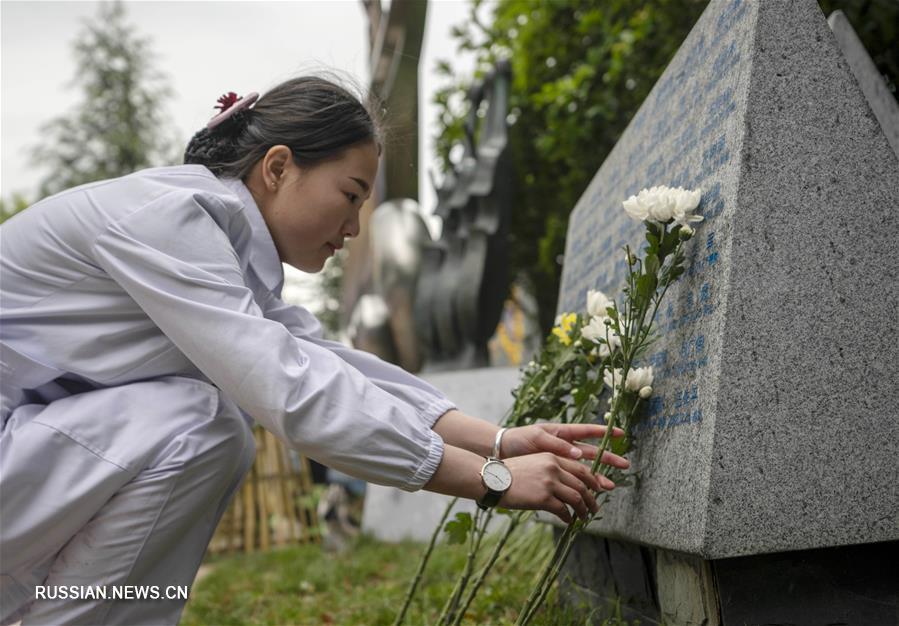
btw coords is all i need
(352, 228)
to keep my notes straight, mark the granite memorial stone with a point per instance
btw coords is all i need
(773, 426)
(882, 101)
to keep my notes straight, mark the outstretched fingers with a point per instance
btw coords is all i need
(586, 502)
(561, 439)
(571, 497)
(549, 442)
(589, 452)
(553, 483)
(597, 482)
(582, 431)
(558, 508)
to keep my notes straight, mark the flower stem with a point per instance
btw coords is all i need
(514, 520)
(563, 546)
(634, 335)
(554, 573)
(413, 586)
(479, 527)
(527, 610)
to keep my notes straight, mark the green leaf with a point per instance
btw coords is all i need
(646, 286)
(669, 243)
(653, 240)
(443, 68)
(651, 265)
(653, 229)
(621, 445)
(458, 528)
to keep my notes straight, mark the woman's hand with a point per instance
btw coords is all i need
(547, 482)
(560, 439)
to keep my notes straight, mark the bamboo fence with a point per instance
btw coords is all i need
(275, 504)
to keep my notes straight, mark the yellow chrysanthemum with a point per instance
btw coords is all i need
(563, 337)
(564, 328)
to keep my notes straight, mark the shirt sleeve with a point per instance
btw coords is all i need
(181, 269)
(429, 402)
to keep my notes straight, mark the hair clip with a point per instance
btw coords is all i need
(231, 104)
(226, 101)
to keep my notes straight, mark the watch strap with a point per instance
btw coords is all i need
(490, 499)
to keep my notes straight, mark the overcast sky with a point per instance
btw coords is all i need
(205, 49)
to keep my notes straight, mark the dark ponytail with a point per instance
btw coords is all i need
(315, 117)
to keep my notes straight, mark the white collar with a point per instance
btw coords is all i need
(263, 257)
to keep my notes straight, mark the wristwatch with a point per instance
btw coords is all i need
(495, 476)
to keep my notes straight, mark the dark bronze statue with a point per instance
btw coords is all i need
(461, 292)
(440, 301)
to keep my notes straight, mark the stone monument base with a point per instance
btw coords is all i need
(847, 585)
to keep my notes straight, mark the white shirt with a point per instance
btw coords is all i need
(172, 271)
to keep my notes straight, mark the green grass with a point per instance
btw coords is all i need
(364, 586)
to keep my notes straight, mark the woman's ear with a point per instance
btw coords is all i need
(274, 164)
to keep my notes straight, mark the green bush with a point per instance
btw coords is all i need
(581, 69)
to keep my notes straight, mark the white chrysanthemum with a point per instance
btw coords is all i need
(654, 204)
(613, 343)
(612, 379)
(635, 208)
(595, 330)
(686, 202)
(598, 302)
(662, 204)
(638, 378)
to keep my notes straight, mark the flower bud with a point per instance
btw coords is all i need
(645, 392)
(607, 416)
(630, 258)
(578, 343)
(685, 233)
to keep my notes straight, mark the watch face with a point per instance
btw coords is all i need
(496, 476)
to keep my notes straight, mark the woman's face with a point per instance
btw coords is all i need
(310, 211)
